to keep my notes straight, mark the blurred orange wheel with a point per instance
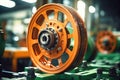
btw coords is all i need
(52, 46)
(106, 42)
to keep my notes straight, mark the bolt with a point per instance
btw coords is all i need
(47, 24)
(59, 49)
(84, 64)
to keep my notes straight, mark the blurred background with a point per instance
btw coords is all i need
(15, 16)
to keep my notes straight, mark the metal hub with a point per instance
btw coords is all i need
(48, 38)
(106, 42)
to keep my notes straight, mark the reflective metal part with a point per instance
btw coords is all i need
(47, 38)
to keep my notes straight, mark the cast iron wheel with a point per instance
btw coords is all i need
(49, 38)
(106, 42)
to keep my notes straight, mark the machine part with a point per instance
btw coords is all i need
(91, 50)
(31, 74)
(49, 39)
(106, 42)
(84, 64)
(93, 71)
(98, 70)
(2, 44)
(8, 74)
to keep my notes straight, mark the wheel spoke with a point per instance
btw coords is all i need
(45, 16)
(49, 61)
(60, 61)
(48, 64)
(55, 14)
(34, 41)
(65, 22)
(36, 25)
(69, 52)
(39, 56)
(42, 50)
(70, 36)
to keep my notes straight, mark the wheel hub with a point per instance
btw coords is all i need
(48, 38)
(106, 42)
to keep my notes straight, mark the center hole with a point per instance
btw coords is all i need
(44, 38)
(106, 42)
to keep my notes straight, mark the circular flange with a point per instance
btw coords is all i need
(106, 42)
(50, 39)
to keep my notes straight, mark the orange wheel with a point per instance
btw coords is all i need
(50, 39)
(106, 42)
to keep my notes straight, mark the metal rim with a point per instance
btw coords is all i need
(106, 42)
(61, 56)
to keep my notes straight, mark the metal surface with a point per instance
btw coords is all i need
(106, 42)
(91, 50)
(49, 39)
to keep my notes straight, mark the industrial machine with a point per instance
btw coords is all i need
(91, 51)
(50, 41)
(57, 43)
(107, 42)
(61, 50)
